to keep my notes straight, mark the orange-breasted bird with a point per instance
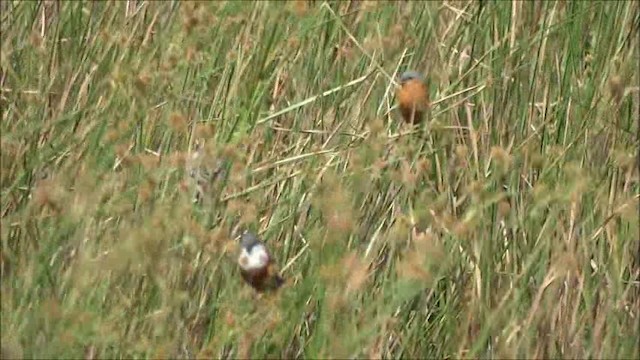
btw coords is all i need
(256, 264)
(413, 97)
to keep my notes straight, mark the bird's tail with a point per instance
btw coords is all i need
(278, 281)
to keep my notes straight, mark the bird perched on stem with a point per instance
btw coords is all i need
(256, 264)
(413, 97)
(203, 170)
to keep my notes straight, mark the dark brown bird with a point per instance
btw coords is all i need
(413, 97)
(256, 264)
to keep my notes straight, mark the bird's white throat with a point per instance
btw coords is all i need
(258, 258)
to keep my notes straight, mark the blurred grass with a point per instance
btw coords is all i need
(507, 227)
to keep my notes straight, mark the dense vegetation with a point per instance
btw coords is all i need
(505, 226)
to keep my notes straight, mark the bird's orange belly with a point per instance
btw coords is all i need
(413, 101)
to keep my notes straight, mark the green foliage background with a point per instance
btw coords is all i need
(506, 226)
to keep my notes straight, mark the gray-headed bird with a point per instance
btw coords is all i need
(256, 264)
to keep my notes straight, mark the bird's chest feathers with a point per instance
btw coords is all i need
(413, 94)
(254, 259)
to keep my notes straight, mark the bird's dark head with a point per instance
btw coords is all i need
(248, 241)
(409, 76)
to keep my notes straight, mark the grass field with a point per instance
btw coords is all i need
(505, 226)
